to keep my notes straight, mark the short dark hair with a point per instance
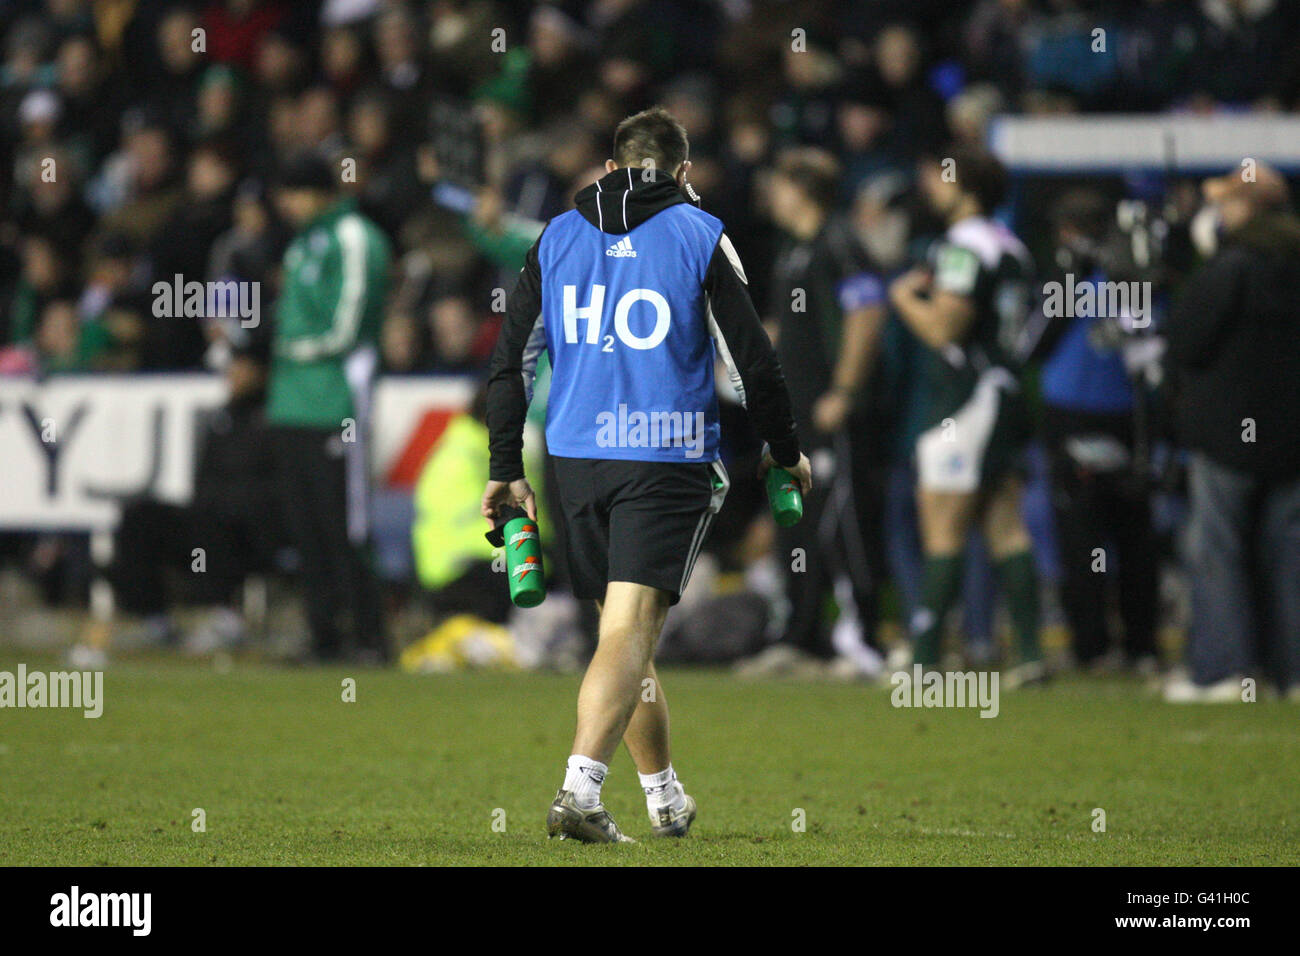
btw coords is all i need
(307, 169)
(653, 134)
(980, 174)
(814, 171)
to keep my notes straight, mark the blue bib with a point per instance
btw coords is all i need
(627, 329)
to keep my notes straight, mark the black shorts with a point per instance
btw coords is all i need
(638, 521)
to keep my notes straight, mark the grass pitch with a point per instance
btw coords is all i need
(460, 770)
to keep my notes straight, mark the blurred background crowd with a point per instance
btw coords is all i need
(472, 122)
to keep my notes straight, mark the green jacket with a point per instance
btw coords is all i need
(328, 315)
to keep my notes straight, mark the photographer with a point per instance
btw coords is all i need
(1235, 338)
(1100, 494)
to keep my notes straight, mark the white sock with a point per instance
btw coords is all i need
(583, 778)
(662, 789)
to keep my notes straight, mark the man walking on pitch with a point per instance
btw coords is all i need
(633, 294)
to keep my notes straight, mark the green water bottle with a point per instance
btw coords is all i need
(518, 535)
(784, 496)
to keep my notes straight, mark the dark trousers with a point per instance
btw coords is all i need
(326, 509)
(155, 540)
(1110, 509)
(1244, 539)
(840, 536)
(477, 591)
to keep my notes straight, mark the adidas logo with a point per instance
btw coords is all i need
(622, 249)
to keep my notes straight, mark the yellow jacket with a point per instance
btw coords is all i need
(447, 535)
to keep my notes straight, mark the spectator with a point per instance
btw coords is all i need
(279, 63)
(460, 59)
(1235, 339)
(897, 87)
(51, 206)
(182, 248)
(250, 249)
(235, 28)
(453, 330)
(138, 189)
(172, 93)
(66, 344)
(343, 60)
(319, 124)
(25, 66)
(970, 111)
(388, 185)
(993, 41)
(116, 298)
(805, 111)
(43, 279)
(220, 109)
(90, 102)
(402, 72)
(233, 521)
(185, 240)
(539, 190)
(555, 49)
(400, 343)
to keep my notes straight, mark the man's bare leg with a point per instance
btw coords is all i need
(646, 736)
(631, 618)
(621, 697)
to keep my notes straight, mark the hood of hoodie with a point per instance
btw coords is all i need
(620, 201)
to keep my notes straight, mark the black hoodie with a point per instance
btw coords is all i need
(620, 202)
(1234, 338)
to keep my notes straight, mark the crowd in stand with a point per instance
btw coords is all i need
(144, 140)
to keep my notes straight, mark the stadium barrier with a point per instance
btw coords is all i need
(1072, 145)
(75, 446)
